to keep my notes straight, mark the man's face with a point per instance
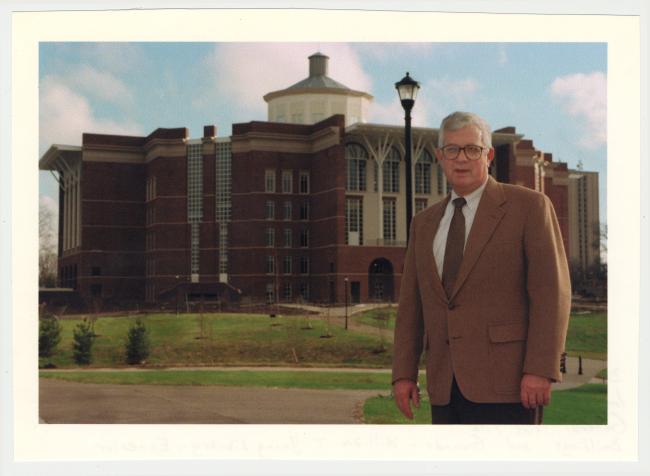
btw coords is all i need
(463, 174)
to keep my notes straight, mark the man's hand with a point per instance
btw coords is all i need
(535, 391)
(404, 391)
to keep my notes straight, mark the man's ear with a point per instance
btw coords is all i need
(490, 155)
(438, 154)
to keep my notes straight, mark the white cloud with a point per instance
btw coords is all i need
(116, 57)
(392, 113)
(584, 97)
(65, 114)
(99, 84)
(244, 72)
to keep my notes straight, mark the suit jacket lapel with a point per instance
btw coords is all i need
(488, 215)
(426, 247)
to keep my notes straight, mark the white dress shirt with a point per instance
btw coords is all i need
(469, 211)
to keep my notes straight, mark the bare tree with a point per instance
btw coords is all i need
(47, 244)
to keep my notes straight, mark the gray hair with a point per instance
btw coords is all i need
(458, 120)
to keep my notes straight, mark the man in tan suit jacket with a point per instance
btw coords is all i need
(493, 339)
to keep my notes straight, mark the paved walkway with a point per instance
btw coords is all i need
(72, 402)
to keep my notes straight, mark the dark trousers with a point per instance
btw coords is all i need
(461, 411)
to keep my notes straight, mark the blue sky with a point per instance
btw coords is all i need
(553, 93)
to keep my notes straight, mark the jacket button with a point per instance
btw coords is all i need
(447, 341)
(451, 306)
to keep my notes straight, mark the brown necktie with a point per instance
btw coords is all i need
(454, 246)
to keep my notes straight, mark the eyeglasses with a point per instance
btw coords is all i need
(472, 152)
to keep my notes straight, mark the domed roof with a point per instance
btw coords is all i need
(317, 82)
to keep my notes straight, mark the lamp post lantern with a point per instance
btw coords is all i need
(407, 89)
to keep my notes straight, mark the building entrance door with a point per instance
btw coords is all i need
(380, 280)
(355, 292)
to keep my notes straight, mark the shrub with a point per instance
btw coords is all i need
(49, 335)
(82, 345)
(137, 344)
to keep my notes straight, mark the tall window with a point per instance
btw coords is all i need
(303, 182)
(353, 221)
(286, 264)
(420, 204)
(287, 210)
(287, 181)
(356, 158)
(304, 291)
(286, 291)
(423, 173)
(270, 237)
(270, 210)
(304, 211)
(391, 171)
(304, 238)
(288, 238)
(389, 219)
(270, 264)
(304, 265)
(269, 181)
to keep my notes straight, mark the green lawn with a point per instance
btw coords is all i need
(229, 339)
(380, 318)
(587, 334)
(585, 405)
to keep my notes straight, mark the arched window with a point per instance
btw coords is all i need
(391, 171)
(423, 173)
(356, 158)
(443, 185)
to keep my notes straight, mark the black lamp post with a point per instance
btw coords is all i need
(407, 89)
(346, 302)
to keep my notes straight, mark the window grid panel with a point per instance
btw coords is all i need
(194, 182)
(389, 220)
(391, 172)
(353, 218)
(356, 159)
(195, 248)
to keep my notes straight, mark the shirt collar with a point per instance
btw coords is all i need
(473, 198)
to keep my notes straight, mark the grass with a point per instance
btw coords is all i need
(586, 336)
(246, 378)
(585, 405)
(228, 339)
(380, 317)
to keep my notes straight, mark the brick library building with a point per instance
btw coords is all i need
(306, 207)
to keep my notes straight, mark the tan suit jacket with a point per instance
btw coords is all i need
(509, 311)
